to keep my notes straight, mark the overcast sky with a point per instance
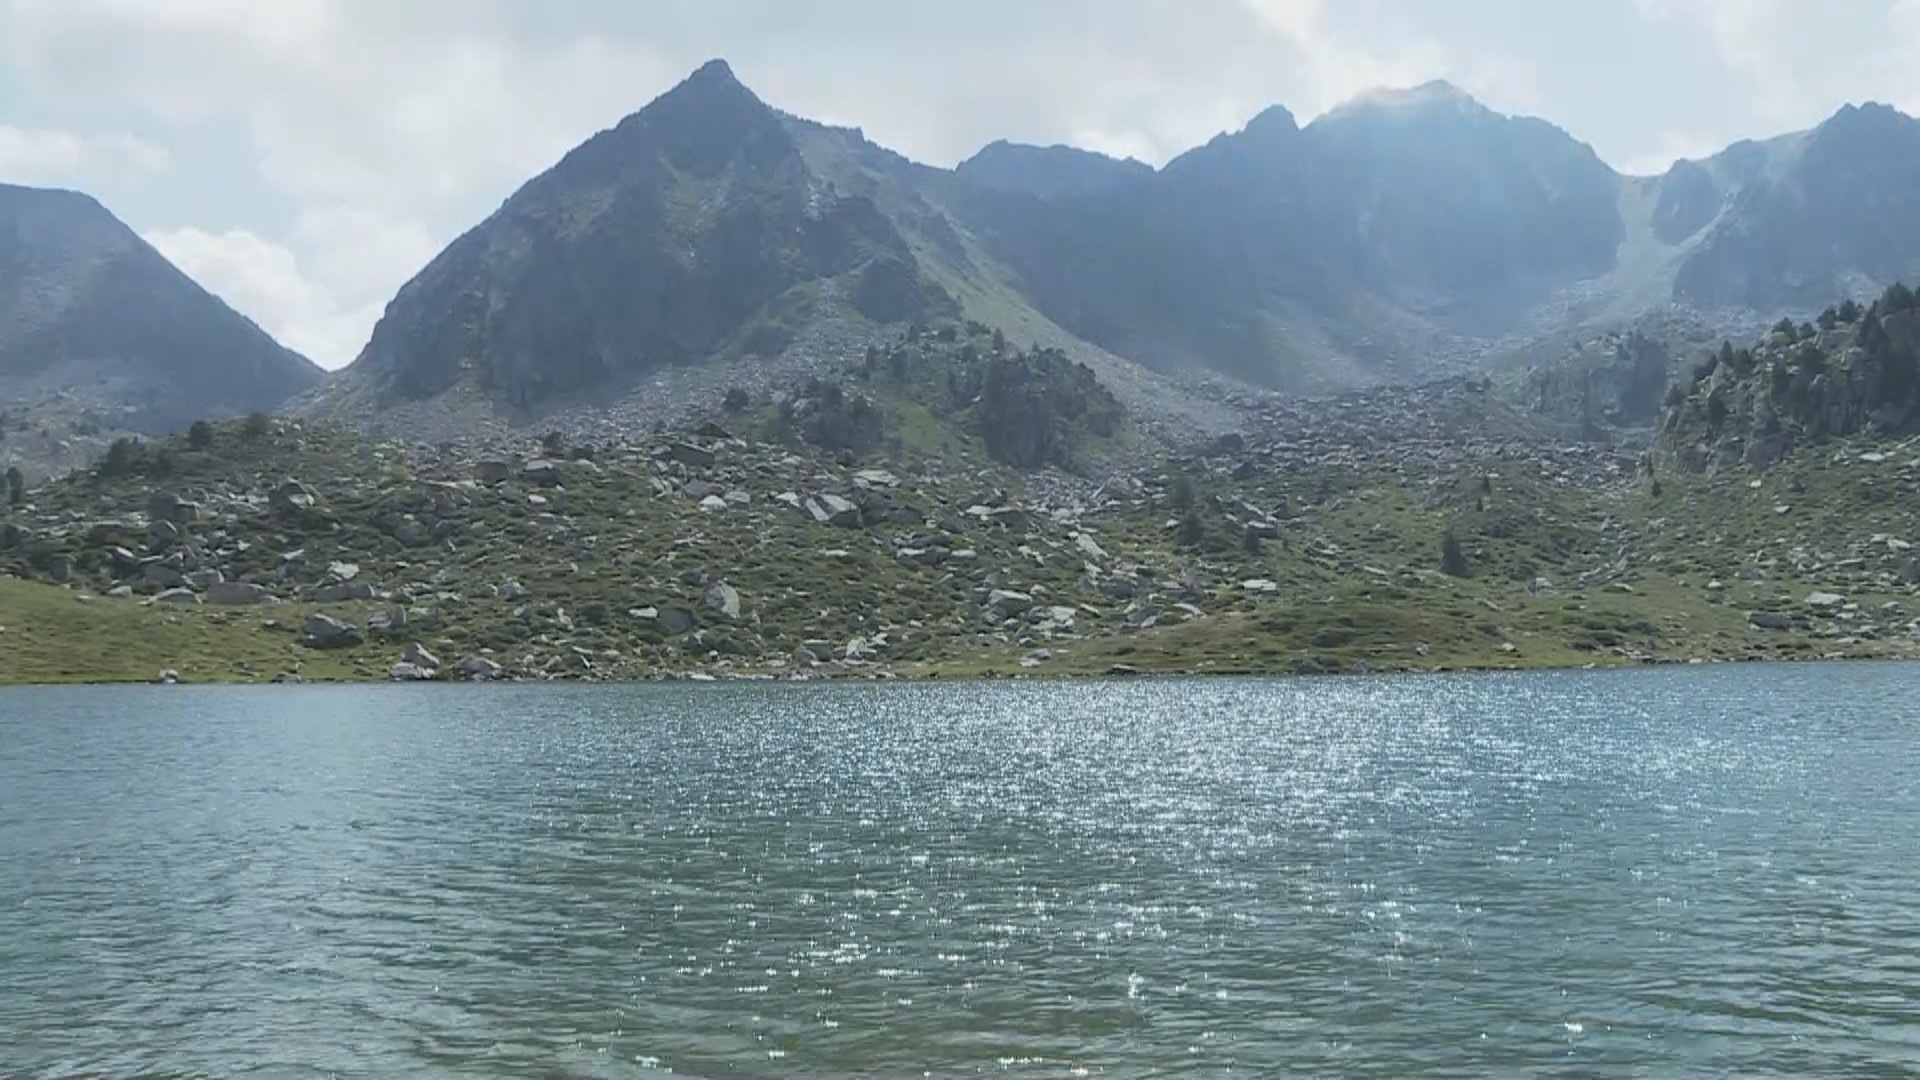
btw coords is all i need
(303, 158)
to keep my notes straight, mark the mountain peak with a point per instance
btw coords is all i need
(1426, 99)
(715, 72)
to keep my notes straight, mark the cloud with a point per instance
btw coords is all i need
(45, 156)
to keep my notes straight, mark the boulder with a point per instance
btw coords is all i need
(1826, 603)
(291, 496)
(723, 600)
(404, 672)
(163, 576)
(388, 624)
(340, 594)
(1007, 602)
(165, 506)
(237, 594)
(478, 668)
(492, 472)
(1770, 620)
(178, 597)
(511, 590)
(834, 510)
(418, 655)
(713, 504)
(327, 632)
(410, 532)
(203, 580)
(541, 471)
(690, 455)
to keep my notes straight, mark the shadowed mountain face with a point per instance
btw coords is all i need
(92, 314)
(1404, 235)
(670, 238)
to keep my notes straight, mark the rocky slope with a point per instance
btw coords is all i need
(1854, 370)
(710, 240)
(100, 334)
(1418, 528)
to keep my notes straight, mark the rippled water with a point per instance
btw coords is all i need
(1669, 872)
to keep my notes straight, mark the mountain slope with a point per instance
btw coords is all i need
(667, 239)
(710, 240)
(91, 315)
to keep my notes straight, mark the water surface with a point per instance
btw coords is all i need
(1664, 872)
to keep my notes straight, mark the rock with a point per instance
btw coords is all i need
(160, 575)
(511, 590)
(674, 620)
(340, 594)
(689, 454)
(875, 478)
(178, 597)
(342, 571)
(388, 624)
(1007, 602)
(1119, 588)
(1825, 602)
(805, 657)
(1260, 586)
(858, 650)
(1770, 620)
(168, 677)
(914, 556)
(541, 471)
(723, 600)
(1089, 546)
(164, 506)
(492, 472)
(713, 504)
(291, 496)
(478, 668)
(405, 672)
(60, 569)
(202, 580)
(327, 632)
(237, 593)
(418, 655)
(410, 532)
(834, 510)
(1120, 670)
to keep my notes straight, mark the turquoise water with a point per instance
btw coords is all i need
(1681, 871)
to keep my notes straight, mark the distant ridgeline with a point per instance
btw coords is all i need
(1853, 370)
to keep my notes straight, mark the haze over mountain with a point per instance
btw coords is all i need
(1403, 235)
(92, 318)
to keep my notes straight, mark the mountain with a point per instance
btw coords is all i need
(1801, 219)
(1049, 172)
(710, 240)
(93, 320)
(695, 227)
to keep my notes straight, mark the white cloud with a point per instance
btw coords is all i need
(45, 156)
(1674, 146)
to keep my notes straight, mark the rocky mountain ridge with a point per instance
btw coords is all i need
(1400, 237)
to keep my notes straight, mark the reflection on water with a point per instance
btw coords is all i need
(1704, 870)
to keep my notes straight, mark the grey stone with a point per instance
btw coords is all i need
(479, 669)
(491, 472)
(723, 600)
(418, 655)
(178, 597)
(542, 472)
(237, 593)
(327, 632)
(405, 672)
(1770, 620)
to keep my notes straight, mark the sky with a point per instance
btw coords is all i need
(304, 158)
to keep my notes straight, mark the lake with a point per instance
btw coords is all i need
(1675, 871)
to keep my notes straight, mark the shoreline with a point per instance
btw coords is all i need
(993, 675)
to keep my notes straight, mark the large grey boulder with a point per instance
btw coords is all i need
(834, 510)
(723, 600)
(178, 597)
(327, 632)
(478, 668)
(237, 594)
